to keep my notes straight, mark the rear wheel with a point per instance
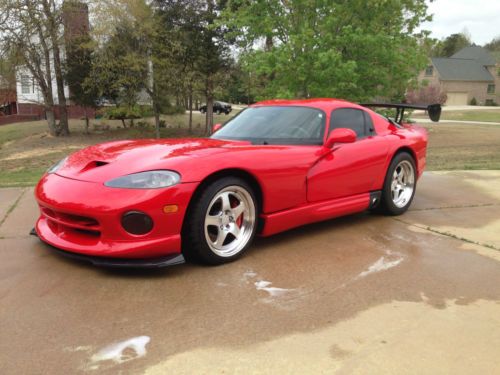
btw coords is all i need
(218, 112)
(399, 185)
(221, 223)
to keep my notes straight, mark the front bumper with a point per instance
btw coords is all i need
(85, 218)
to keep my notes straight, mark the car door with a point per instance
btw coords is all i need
(349, 168)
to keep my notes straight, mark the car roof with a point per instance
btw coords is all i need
(325, 104)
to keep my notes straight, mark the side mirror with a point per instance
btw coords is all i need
(216, 127)
(340, 135)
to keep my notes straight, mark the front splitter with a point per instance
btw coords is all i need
(170, 260)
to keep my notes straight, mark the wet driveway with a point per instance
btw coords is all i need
(419, 293)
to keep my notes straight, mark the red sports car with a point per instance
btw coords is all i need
(276, 165)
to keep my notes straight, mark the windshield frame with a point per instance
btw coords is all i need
(276, 141)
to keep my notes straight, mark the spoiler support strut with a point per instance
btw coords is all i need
(433, 110)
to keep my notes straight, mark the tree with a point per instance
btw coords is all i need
(451, 45)
(426, 94)
(77, 71)
(356, 49)
(53, 19)
(494, 48)
(134, 57)
(202, 48)
(23, 33)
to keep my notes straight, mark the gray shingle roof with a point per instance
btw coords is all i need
(455, 69)
(477, 53)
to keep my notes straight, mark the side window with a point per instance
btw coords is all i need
(369, 128)
(349, 118)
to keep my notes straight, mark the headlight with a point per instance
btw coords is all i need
(56, 166)
(145, 180)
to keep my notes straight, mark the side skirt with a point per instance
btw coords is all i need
(312, 212)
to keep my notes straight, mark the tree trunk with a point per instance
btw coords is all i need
(209, 121)
(86, 121)
(63, 128)
(157, 122)
(190, 103)
(51, 121)
(53, 28)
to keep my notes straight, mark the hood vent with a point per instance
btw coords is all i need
(93, 164)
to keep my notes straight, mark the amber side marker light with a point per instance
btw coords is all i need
(170, 209)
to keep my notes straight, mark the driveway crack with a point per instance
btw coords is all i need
(457, 206)
(12, 207)
(447, 234)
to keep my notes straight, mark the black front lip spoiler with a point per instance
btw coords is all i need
(170, 260)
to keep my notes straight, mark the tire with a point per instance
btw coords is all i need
(221, 222)
(399, 185)
(217, 112)
(202, 111)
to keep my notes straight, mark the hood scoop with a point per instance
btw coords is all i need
(93, 164)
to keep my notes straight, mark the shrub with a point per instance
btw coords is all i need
(173, 110)
(426, 95)
(473, 101)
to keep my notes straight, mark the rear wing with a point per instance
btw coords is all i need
(433, 110)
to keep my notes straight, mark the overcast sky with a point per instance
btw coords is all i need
(480, 17)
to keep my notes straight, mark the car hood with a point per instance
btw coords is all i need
(102, 162)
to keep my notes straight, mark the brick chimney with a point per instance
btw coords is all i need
(75, 19)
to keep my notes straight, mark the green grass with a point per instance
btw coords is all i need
(21, 178)
(487, 115)
(462, 146)
(492, 115)
(26, 149)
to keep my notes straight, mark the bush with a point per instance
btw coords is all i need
(128, 113)
(491, 102)
(473, 101)
(173, 110)
(426, 95)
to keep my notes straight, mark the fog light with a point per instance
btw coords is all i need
(136, 222)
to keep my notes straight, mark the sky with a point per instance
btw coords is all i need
(480, 17)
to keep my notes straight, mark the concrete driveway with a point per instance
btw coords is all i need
(419, 293)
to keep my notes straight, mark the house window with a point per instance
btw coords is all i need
(491, 89)
(429, 70)
(26, 85)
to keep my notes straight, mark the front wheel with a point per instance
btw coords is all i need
(221, 223)
(399, 185)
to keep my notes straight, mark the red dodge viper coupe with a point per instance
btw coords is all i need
(277, 165)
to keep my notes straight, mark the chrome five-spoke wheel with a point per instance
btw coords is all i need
(403, 182)
(229, 221)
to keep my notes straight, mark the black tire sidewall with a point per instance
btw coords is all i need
(388, 205)
(195, 246)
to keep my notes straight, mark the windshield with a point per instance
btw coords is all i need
(276, 125)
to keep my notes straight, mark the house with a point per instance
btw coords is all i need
(25, 101)
(471, 73)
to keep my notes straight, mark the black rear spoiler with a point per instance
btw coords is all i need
(434, 110)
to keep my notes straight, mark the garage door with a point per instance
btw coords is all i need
(457, 98)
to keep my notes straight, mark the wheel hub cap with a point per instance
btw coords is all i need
(402, 184)
(229, 221)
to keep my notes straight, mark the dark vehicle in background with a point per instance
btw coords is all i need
(219, 107)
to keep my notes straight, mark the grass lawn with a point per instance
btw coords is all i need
(26, 149)
(463, 146)
(490, 115)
